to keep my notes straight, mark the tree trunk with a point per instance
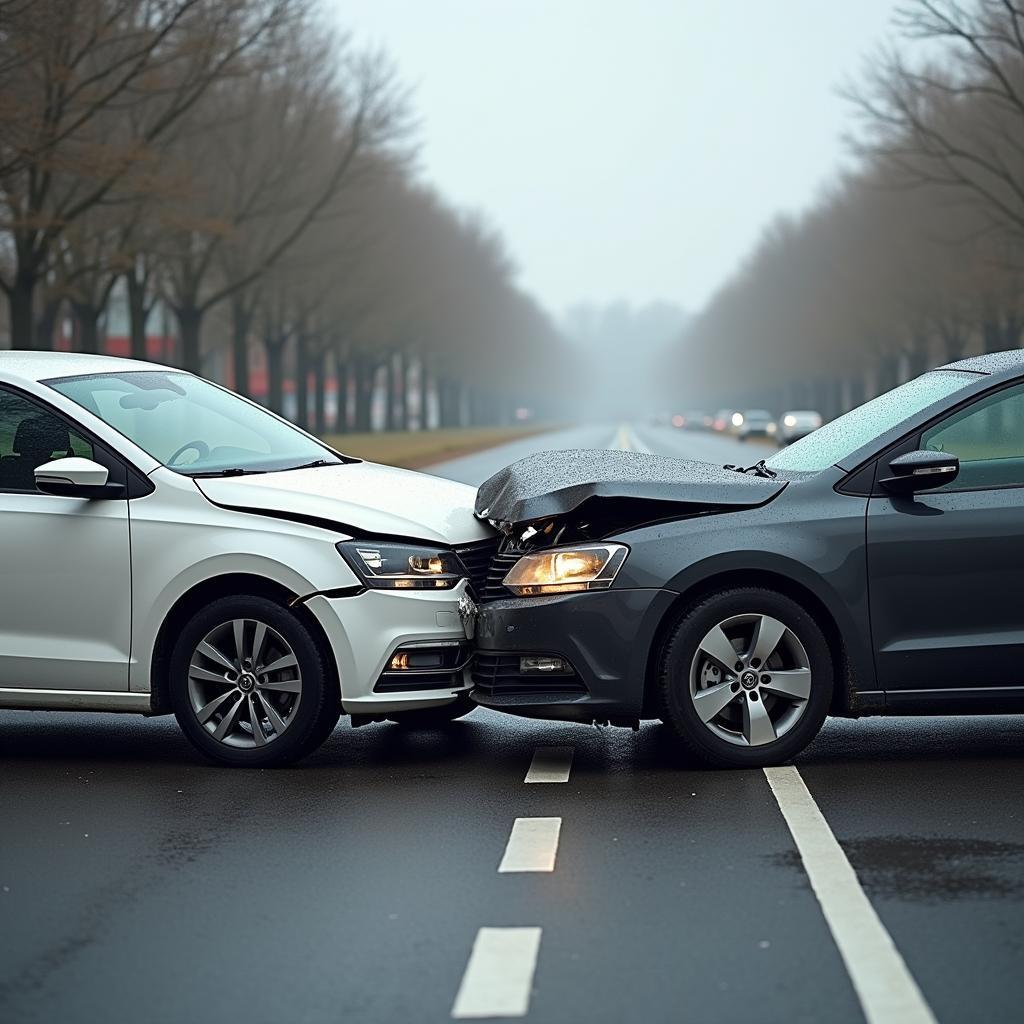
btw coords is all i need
(388, 366)
(399, 410)
(20, 300)
(275, 373)
(138, 315)
(991, 335)
(87, 318)
(341, 376)
(190, 320)
(320, 394)
(424, 394)
(302, 381)
(364, 374)
(241, 321)
(47, 324)
(1011, 332)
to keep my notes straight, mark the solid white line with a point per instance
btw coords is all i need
(887, 992)
(550, 764)
(499, 974)
(532, 845)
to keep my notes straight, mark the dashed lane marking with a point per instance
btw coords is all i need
(887, 991)
(532, 845)
(499, 975)
(550, 764)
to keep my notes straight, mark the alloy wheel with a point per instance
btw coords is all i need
(750, 680)
(244, 683)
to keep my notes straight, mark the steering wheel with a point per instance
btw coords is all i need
(200, 446)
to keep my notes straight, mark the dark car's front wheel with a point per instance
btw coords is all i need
(746, 678)
(249, 684)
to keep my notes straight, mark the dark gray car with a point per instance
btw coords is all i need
(874, 567)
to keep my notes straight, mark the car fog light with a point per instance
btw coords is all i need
(543, 664)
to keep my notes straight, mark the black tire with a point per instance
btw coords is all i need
(318, 706)
(435, 718)
(678, 657)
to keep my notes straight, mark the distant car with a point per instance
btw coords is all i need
(171, 547)
(754, 423)
(691, 420)
(723, 420)
(871, 568)
(798, 423)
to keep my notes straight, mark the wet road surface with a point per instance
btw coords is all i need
(137, 883)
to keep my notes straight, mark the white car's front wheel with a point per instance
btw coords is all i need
(249, 684)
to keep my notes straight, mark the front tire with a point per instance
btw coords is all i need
(249, 684)
(746, 679)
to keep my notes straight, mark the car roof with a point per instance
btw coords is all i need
(991, 362)
(38, 366)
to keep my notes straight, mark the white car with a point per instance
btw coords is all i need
(171, 547)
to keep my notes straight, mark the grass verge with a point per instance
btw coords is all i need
(416, 449)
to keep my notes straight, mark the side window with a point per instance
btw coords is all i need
(988, 438)
(29, 436)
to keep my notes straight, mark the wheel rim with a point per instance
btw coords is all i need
(244, 683)
(750, 680)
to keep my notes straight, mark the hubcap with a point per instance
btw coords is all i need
(750, 680)
(244, 683)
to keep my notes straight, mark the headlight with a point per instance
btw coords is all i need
(565, 570)
(737, 419)
(770, 428)
(790, 421)
(402, 566)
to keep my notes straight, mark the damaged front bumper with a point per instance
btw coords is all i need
(603, 638)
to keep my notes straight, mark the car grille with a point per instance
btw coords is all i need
(499, 675)
(507, 554)
(477, 559)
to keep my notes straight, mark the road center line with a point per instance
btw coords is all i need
(620, 442)
(638, 445)
(550, 764)
(532, 845)
(887, 992)
(499, 975)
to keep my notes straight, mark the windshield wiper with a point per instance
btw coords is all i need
(317, 463)
(230, 471)
(758, 469)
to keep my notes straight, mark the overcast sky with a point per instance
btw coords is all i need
(626, 150)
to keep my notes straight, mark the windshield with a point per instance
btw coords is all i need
(191, 425)
(831, 444)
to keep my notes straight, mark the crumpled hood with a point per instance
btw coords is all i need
(357, 498)
(550, 484)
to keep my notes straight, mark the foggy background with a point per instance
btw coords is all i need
(381, 215)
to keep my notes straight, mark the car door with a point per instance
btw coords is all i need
(946, 566)
(65, 598)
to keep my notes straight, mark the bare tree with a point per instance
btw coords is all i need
(67, 66)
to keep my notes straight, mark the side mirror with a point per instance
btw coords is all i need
(76, 478)
(921, 471)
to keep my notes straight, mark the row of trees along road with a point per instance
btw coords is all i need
(914, 258)
(252, 172)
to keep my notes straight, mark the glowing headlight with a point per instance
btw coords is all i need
(790, 421)
(770, 428)
(737, 419)
(565, 570)
(401, 566)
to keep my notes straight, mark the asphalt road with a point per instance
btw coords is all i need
(139, 884)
